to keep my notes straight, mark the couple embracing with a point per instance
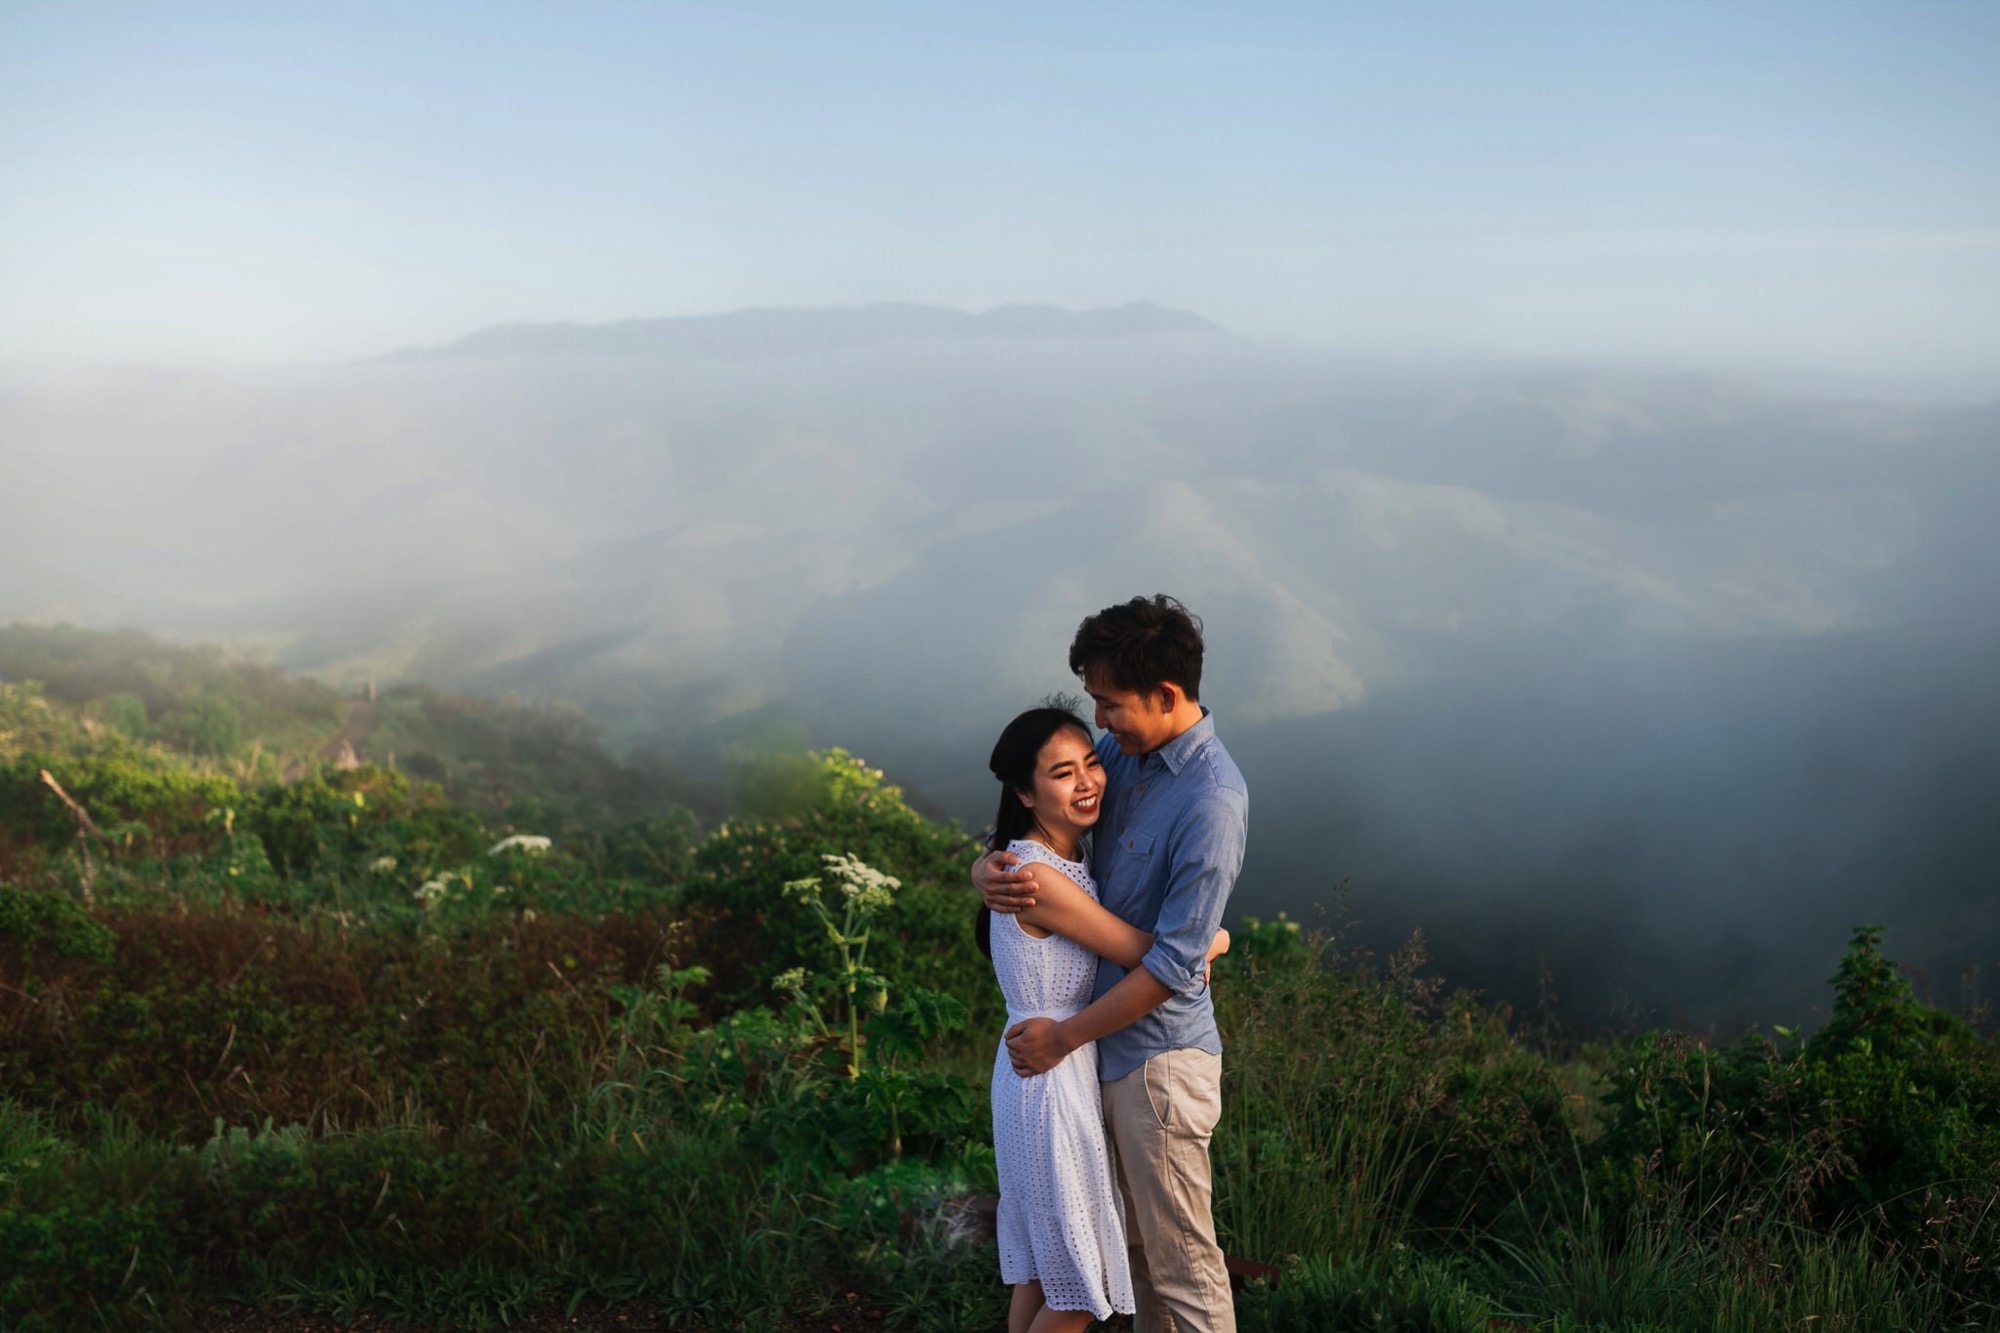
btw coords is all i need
(1110, 865)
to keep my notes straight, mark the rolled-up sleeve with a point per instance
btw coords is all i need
(1206, 853)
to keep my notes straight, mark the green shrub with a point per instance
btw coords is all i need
(925, 939)
(50, 924)
(209, 724)
(1888, 1118)
(143, 802)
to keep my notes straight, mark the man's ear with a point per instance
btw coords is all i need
(1168, 696)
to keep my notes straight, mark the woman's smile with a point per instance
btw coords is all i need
(1068, 789)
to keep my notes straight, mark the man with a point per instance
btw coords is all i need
(1167, 848)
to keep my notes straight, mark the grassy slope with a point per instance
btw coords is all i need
(316, 1040)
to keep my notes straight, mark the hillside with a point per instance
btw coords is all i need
(529, 763)
(338, 1048)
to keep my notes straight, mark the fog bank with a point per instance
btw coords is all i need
(1663, 680)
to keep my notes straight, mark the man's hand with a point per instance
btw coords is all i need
(1003, 882)
(1037, 1045)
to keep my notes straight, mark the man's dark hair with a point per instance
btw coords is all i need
(1140, 645)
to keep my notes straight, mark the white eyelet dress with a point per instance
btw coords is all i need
(1061, 1220)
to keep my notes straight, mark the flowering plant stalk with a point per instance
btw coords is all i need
(864, 891)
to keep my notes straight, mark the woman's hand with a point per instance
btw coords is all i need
(1217, 947)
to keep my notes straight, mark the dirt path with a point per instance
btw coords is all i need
(345, 749)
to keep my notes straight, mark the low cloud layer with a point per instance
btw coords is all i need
(1663, 681)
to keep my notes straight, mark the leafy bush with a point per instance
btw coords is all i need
(739, 875)
(1888, 1118)
(143, 803)
(38, 923)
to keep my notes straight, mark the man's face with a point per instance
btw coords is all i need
(1137, 721)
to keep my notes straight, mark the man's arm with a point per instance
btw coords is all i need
(1207, 851)
(1003, 882)
(1037, 1045)
(1064, 908)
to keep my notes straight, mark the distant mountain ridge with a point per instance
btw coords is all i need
(793, 332)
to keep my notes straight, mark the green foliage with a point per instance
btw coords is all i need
(1400, 1111)
(925, 936)
(540, 766)
(656, 848)
(208, 724)
(814, 1095)
(1669, 1267)
(197, 699)
(865, 893)
(144, 805)
(329, 820)
(127, 712)
(245, 1015)
(1887, 1119)
(28, 1139)
(51, 925)
(350, 1043)
(29, 724)
(1396, 1291)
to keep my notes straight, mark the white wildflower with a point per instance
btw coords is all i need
(383, 865)
(532, 843)
(432, 891)
(865, 886)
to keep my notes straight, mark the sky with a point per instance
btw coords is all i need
(1811, 187)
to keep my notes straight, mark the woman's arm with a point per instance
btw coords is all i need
(1066, 910)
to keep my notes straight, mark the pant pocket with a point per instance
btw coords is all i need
(1158, 1075)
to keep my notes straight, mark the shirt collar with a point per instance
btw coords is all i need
(1181, 748)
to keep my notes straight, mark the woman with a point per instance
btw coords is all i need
(1061, 1223)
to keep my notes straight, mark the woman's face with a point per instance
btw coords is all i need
(1068, 783)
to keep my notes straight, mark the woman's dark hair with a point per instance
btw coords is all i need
(1013, 762)
(1140, 645)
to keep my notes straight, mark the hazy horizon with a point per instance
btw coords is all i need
(1792, 189)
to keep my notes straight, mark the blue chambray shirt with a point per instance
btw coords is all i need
(1166, 850)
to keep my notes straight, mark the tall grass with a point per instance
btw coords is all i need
(1361, 1111)
(289, 1080)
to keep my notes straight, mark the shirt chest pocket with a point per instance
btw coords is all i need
(1135, 845)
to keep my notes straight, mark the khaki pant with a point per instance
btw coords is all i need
(1161, 1116)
